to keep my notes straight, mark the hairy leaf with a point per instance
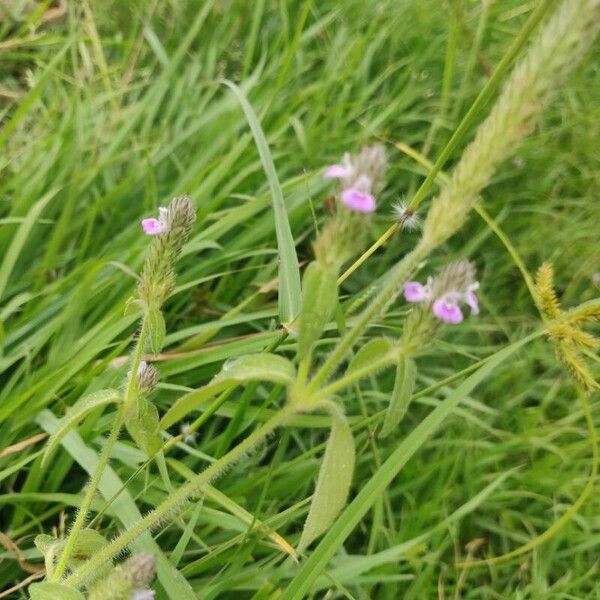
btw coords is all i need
(319, 297)
(76, 413)
(157, 330)
(333, 483)
(406, 373)
(48, 590)
(252, 367)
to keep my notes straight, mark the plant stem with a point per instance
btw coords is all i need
(386, 295)
(80, 520)
(377, 365)
(181, 495)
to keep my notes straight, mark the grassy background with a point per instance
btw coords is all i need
(111, 108)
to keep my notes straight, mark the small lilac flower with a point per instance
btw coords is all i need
(340, 171)
(415, 292)
(361, 176)
(447, 311)
(358, 201)
(454, 286)
(153, 226)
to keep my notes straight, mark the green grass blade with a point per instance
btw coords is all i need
(289, 272)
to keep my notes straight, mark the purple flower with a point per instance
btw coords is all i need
(454, 286)
(415, 292)
(447, 311)
(153, 226)
(358, 201)
(361, 176)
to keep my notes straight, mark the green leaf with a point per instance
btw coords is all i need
(133, 306)
(372, 351)
(253, 367)
(372, 490)
(76, 413)
(406, 373)
(289, 272)
(53, 591)
(319, 298)
(157, 330)
(333, 483)
(145, 428)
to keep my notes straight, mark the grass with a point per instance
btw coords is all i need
(111, 109)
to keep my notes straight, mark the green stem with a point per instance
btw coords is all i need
(179, 497)
(80, 520)
(377, 365)
(379, 303)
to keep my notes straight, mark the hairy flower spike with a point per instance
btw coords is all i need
(361, 176)
(564, 40)
(454, 286)
(568, 337)
(158, 275)
(128, 581)
(147, 378)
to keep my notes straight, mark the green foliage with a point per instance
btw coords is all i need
(157, 330)
(254, 367)
(53, 591)
(404, 385)
(144, 428)
(333, 483)
(76, 413)
(107, 113)
(319, 298)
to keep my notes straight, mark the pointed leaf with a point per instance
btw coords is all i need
(156, 330)
(373, 350)
(133, 306)
(319, 298)
(289, 273)
(145, 429)
(333, 483)
(76, 413)
(406, 373)
(53, 591)
(253, 367)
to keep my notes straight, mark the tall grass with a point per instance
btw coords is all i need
(109, 110)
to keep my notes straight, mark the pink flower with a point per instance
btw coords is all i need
(153, 226)
(415, 292)
(446, 292)
(447, 311)
(358, 201)
(345, 170)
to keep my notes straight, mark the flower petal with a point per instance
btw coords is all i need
(447, 311)
(337, 171)
(473, 302)
(358, 201)
(153, 226)
(415, 292)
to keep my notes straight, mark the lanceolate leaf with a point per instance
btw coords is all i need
(156, 329)
(319, 297)
(372, 351)
(253, 367)
(289, 273)
(76, 413)
(406, 373)
(333, 483)
(145, 428)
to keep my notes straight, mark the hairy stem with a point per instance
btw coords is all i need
(387, 294)
(80, 520)
(179, 497)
